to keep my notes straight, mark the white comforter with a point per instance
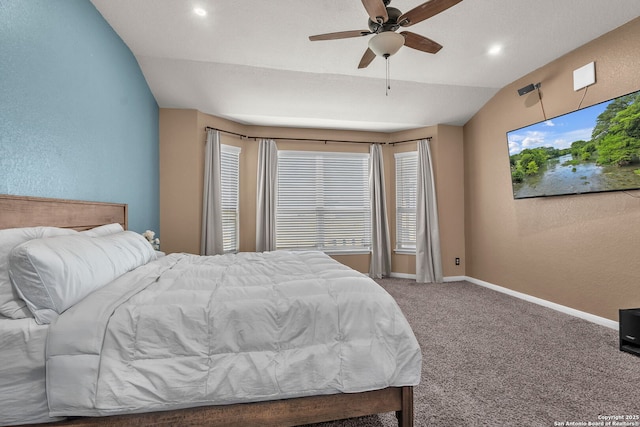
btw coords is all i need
(22, 377)
(187, 330)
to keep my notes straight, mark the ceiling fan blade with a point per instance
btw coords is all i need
(424, 11)
(367, 58)
(377, 10)
(416, 41)
(340, 35)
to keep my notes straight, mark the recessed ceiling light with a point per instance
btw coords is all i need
(200, 11)
(495, 49)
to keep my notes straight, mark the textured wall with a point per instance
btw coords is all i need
(580, 251)
(77, 119)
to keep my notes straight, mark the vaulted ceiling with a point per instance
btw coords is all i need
(251, 61)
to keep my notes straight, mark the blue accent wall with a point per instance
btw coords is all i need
(77, 118)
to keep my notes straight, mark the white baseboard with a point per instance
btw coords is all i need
(552, 305)
(403, 276)
(454, 278)
(413, 277)
(561, 308)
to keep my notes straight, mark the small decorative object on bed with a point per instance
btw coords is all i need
(277, 338)
(150, 235)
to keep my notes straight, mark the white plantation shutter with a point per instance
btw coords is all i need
(229, 170)
(323, 201)
(406, 193)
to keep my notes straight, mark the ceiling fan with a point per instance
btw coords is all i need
(384, 21)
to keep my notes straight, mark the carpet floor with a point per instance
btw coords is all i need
(490, 359)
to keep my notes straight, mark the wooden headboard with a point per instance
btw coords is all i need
(24, 211)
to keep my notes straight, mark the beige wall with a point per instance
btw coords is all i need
(448, 168)
(182, 137)
(579, 251)
(180, 186)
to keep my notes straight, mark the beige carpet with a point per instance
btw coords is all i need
(493, 360)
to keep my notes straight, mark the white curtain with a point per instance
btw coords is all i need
(428, 257)
(211, 242)
(266, 197)
(380, 243)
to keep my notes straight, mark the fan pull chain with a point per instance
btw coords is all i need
(388, 81)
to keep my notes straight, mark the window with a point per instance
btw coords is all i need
(406, 193)
(323, 201)
(229, 170)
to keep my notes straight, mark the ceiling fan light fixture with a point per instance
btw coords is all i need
(386, 43)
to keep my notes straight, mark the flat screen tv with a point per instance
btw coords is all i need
(593, 149)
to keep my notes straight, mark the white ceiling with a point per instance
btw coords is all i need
(251, 61)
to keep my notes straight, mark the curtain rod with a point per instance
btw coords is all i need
(312, 139)
(428, 138)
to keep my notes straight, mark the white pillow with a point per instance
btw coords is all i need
(104, 230)
(53, 274)
(11, 305)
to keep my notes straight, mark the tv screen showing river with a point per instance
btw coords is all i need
(593, 149)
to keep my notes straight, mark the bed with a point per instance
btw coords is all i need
(29, 361)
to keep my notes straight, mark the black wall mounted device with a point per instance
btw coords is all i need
(630, 331)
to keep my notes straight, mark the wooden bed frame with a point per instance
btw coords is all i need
(20, 211)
